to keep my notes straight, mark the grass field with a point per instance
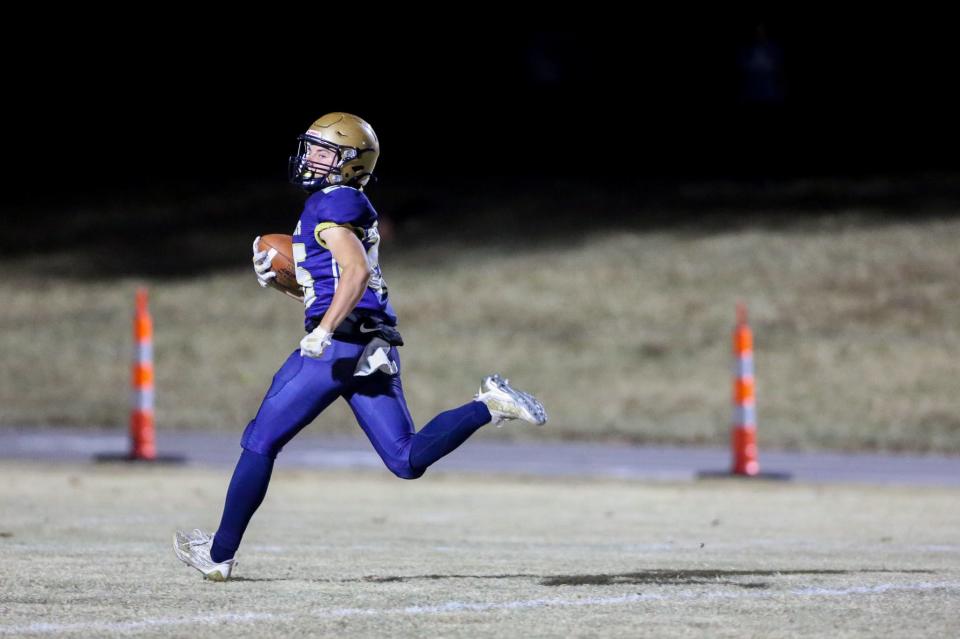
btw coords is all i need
(85, 551)
(623, 331)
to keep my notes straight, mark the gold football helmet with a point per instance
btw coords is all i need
(355, 151)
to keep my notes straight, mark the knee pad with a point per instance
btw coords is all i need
(260, 441)
(402, 468)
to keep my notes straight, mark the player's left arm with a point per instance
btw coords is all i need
(355, 273)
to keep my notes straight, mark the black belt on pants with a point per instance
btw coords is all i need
(360, 328)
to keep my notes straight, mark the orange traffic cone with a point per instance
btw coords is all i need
(142, 438)
(143, 445)
(743, 437)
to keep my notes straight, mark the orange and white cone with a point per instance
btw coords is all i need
(142, 437)
(744, 432)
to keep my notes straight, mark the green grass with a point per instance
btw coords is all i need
(624, 333)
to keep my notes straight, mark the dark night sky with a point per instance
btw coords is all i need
(126, 108)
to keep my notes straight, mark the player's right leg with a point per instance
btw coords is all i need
(301, 389)
(193, 549)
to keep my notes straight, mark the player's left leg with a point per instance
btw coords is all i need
(381, 409)
(382, 413)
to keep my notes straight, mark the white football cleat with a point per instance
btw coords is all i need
(508, 403)
(193, 549)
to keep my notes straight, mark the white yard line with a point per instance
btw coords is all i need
(454, 607)
(541, 548)
(42, 628)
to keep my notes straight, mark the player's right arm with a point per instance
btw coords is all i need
(263, 267)
(262, 264)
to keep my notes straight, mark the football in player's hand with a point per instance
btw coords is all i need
(282, 262)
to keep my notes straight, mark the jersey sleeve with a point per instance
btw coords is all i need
(346, 207)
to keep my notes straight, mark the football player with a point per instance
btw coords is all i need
(350, 347)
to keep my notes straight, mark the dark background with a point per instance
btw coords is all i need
(664, 99)
(121, 135)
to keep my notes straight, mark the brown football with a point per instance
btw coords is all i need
(282, 262)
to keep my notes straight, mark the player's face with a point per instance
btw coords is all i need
(320, 158)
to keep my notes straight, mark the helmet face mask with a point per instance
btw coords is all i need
(312, 172)
(338, 148)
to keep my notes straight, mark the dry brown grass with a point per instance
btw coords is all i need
(622, 333)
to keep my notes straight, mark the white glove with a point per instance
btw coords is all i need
(262, 264)
(315, 342)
